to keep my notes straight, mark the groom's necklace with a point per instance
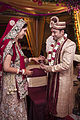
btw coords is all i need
(52, 52)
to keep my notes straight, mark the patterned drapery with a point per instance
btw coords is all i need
(77, 25)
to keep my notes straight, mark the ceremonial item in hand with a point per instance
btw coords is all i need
(41, 61)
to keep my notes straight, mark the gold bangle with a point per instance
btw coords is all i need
(18, 71)
(30, 59)
(23, 71)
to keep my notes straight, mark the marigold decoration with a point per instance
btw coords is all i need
(71, 4)
(35, 0)
(77, 27)
(39, 2)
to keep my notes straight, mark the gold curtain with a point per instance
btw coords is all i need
(28, 6)
(41, 33)
(35, 46)
(77, 25)
(30, 35)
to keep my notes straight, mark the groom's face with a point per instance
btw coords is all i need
(56, 34)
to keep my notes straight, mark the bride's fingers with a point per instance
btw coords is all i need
(41, 64)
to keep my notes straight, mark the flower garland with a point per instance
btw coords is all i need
(53, 49)
(52, 53)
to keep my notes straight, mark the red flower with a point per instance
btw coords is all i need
(54, 50)
(49, 52)
(40, 3)
(35, 0)
(58, 43)
(49, 60)
(52, 45)
(53, 58)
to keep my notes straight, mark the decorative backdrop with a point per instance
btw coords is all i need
(41, 9)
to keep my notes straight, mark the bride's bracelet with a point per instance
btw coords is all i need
(30, 59)
(18, 70)
(21, 71)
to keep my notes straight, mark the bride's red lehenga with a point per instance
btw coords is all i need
(12, 105)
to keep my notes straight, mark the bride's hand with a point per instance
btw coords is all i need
(33, 59)
(26, 60)
(27, 72)
(41, 59)
(37, 59)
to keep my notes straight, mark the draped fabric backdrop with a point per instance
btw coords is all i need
(77, 25)
(41, 33)
(35, 45)
(36, 27)
(31, 38)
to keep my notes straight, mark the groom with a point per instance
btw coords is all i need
(60, 52)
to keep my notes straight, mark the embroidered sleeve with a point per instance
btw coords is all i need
(77, 57)
(8, 50)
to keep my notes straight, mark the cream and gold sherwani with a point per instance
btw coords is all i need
(65, 68)
(77, 58)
